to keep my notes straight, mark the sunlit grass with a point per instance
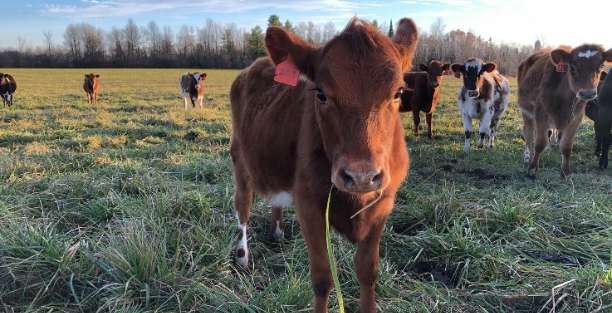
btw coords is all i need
(126, 207)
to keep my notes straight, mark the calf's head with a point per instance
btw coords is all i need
(472, 71)
(435, 70)
(358, 79)
(582, 66)
(90, 78)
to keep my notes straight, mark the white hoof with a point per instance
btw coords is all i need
(278, 234)
(242, 249)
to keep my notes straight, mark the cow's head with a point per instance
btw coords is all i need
(2, 78)
(198, 80)
(435, 70)
(472, 71)
(358, 79)
(91, 77)
(582, 66)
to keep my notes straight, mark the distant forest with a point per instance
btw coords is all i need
(216, 45)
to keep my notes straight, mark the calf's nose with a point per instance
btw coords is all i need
(473, 93)
(361, 180)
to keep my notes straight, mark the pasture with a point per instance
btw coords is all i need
(127, 207)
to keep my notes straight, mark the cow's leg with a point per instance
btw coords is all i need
(366, 263)
(467, 126)
(417, 120)
(605, 139)
(485, 126)
(243, 200)
(276, 222)
(540, 143)
(598, 139)
(312, 224)
(428, 118)
(529, 137)
(566, 145)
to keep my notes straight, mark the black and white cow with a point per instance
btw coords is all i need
(191, 87)
(484, 95)
(8, 85)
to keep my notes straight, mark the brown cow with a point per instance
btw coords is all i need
(92, 87)
(422, 93)
(191, 88)
(338, 127)
(554, 87)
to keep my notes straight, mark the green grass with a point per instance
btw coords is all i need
(126, 207)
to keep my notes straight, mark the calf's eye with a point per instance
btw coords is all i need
(399, 93)
(320, 95)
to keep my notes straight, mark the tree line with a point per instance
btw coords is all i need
(217, 45)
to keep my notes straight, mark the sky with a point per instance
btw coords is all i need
(505, 21)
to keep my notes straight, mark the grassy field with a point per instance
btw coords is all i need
(126, 207)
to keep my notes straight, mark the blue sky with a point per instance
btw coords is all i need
(517, 21)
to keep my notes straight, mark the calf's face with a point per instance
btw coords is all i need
(90, 78)
(472, 71)
(358, 79)
(435, 70)
(582, 66)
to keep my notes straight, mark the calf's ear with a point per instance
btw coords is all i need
(489, 67)
(608, 55)
(603, 75)
(458, 69)
(446, 67)
(560, 56)
(406, 38)
(285, 46)
(423, 67)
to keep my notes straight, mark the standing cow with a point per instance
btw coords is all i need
(484, 95)
(8, 85)
(191, 87)
(600, 111)
(338, 127)
(554, 87)
(422, 93)
(91, 85)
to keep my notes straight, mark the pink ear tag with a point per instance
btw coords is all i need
(561, 67)
(287, 73)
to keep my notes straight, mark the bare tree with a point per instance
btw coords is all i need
(48, 40)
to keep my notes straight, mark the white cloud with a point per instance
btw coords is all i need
(114, 8)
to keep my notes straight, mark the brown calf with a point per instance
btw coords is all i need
(91, 85)
(338, 127)
(422, 93)
(191, 87)
(554, 87)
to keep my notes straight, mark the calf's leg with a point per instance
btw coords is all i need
(428, 118)
(566, 144)
(485, 126)
(605, 139)
(467, 126)
(243, 200)
(366, 264)
(417, 120)
(276, 221)
(541, 140)
(529, 136)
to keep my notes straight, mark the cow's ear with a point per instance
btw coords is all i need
(603, 75)
(560, 56)
(285, 46)
(489, 67)
(86, 75)
(97, 75)
(458, 69)
(446, 67)
(608, 55)
(204, 75)
(423, 67)
(406, 38)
